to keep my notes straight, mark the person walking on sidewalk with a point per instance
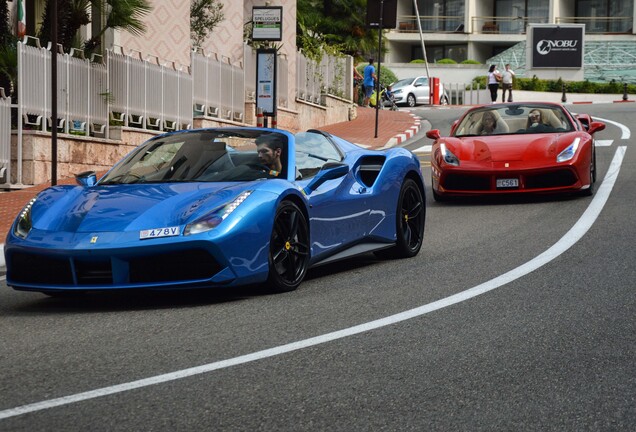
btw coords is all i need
(506, 82)
(493, 82)
(369, 82)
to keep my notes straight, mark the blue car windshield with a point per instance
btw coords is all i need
(204, 156)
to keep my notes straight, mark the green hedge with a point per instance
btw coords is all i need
(536, 84)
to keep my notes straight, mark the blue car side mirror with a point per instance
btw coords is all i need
(86, 178)
(329, 171)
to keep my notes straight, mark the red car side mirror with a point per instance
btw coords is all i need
(433, 134)
(595, 127)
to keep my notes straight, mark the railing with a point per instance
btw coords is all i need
(437, 24)
(508, 24)
(282, 81)
(5, 137)
(149, 95)
(503, 24)
(595, 25)
(333, 75)
(80, 82)
(308, 80)
(464, 94)
(338, 76)
(130, 91)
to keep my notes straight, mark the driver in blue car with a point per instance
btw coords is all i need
(269, 150)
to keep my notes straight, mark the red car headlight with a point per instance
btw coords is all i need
(448, 156)
(569, 151)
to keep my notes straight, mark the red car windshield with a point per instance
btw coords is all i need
(514, 119)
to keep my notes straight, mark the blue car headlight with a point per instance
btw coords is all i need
(569, 151)
(23, 225)
(214, 218)
(448, 156)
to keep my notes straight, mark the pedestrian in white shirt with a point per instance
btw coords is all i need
(506, 81)
(494, 77)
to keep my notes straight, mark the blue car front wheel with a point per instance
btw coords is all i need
(288, 248)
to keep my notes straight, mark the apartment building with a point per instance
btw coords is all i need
(481, 29)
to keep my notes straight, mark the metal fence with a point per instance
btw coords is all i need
(126, 89)
(82, 85)
(332, 75)
(465, 93)
(5, 137)
(149, 95)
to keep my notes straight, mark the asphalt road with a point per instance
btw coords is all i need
(550, 348)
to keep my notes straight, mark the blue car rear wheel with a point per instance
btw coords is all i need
(411, 216)
(288, 248)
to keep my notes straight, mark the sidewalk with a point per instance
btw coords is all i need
(394, 127)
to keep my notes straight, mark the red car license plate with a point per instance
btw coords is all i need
(508, 183)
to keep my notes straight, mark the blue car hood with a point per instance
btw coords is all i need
(117, 208)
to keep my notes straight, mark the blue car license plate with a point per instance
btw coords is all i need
(159, 232)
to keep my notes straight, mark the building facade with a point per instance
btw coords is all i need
(480, 29)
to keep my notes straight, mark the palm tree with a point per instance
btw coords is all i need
(8, 52)
(124, 15)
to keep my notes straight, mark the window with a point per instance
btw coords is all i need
(313, 150)
(614, 16)
(516, 14)
(441, 15)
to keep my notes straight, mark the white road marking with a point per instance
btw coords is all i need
(604, 143)
(625, 132)
(424, 149)
(568, 240)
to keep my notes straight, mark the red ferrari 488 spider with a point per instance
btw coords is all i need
(515, 148)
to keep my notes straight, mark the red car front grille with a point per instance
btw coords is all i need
(467, 182)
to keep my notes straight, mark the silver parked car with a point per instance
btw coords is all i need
(413, 91)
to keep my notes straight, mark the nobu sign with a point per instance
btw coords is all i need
(557, 47)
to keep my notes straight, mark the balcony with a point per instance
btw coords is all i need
(511, 25)
(503, 24)
(601, 25)
(431, 24)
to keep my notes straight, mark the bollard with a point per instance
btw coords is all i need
(274, 122)
(563, 98)
(624, 91)
(259, 117)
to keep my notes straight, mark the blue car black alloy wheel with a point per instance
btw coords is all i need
(289, 248)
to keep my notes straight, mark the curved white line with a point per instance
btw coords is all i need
(625, 132)
(568, 240)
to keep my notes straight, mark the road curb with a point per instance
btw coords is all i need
(407, 134)
(601, 102)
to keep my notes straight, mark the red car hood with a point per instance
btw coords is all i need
(508, 148)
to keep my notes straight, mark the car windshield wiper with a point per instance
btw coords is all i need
(315, 156)
(119, 179)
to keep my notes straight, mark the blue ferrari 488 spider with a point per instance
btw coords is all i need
(219, 208)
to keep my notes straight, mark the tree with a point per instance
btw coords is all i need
(5, 31)
(8, 52)
(204, 16)
(336, 23)
(124, 15)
